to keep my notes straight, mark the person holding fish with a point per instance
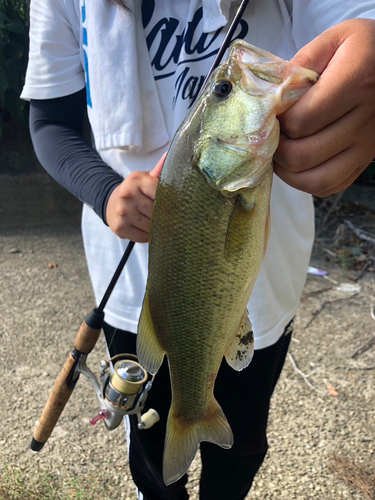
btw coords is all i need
(138, 69)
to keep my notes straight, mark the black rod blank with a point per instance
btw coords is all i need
(227, 39)
(116, 276)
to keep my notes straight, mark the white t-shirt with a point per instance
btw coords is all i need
(180, 55)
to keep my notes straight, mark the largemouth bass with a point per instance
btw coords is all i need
(208, 237)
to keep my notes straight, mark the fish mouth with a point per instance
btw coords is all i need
(249, 142)
(245, 145)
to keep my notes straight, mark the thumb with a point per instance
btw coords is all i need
(156, 171)
(317, 54)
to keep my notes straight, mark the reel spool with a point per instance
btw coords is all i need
(122, 392)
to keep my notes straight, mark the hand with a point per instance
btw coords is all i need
(327, 137)
(130, 205)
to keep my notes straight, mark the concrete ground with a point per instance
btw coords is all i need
(45, 294)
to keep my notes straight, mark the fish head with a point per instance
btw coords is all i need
(239, 131)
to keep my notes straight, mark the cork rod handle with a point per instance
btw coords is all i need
(64, 385)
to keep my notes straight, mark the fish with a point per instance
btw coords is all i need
(209, 233)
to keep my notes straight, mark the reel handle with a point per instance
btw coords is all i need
(148, 419)
(63, 387)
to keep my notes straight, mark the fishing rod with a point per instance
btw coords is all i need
(227, 40)
(124, 392)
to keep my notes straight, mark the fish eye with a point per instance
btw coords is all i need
(223, 88)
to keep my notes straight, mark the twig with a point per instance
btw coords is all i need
(340, 235)
(317, 311)
(321, 225)
(357, 367)
(330, 252)
(327, 225)
(331, 280)
(372, 313)
(303, 375)
(364, 269)
(315, 370)
(354, 475)
(316, 292)
(71, 442)
(361, 233)
(364, 347)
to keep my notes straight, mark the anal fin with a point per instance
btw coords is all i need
(241, 350)
(149, 351)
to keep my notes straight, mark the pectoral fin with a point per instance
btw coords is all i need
(149, 351)
(241, 351)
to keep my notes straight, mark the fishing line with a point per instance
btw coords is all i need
(285, 25)
(112, 339)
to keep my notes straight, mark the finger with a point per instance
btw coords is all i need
(136, 235)
(145, 207)
(341, 57)
(324, 178)
(139, 232)
(139, 221)
(307, 152)
(137, 184)
(148, 186)
(343, 185)
(156, 171)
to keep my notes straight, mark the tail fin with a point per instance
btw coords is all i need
(182, 440)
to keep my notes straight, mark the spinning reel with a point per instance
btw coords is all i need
(122, 392)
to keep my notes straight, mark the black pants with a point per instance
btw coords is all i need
(244, 397)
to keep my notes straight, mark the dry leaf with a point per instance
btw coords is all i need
(332, 390)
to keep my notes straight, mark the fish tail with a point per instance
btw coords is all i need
(182, 440)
